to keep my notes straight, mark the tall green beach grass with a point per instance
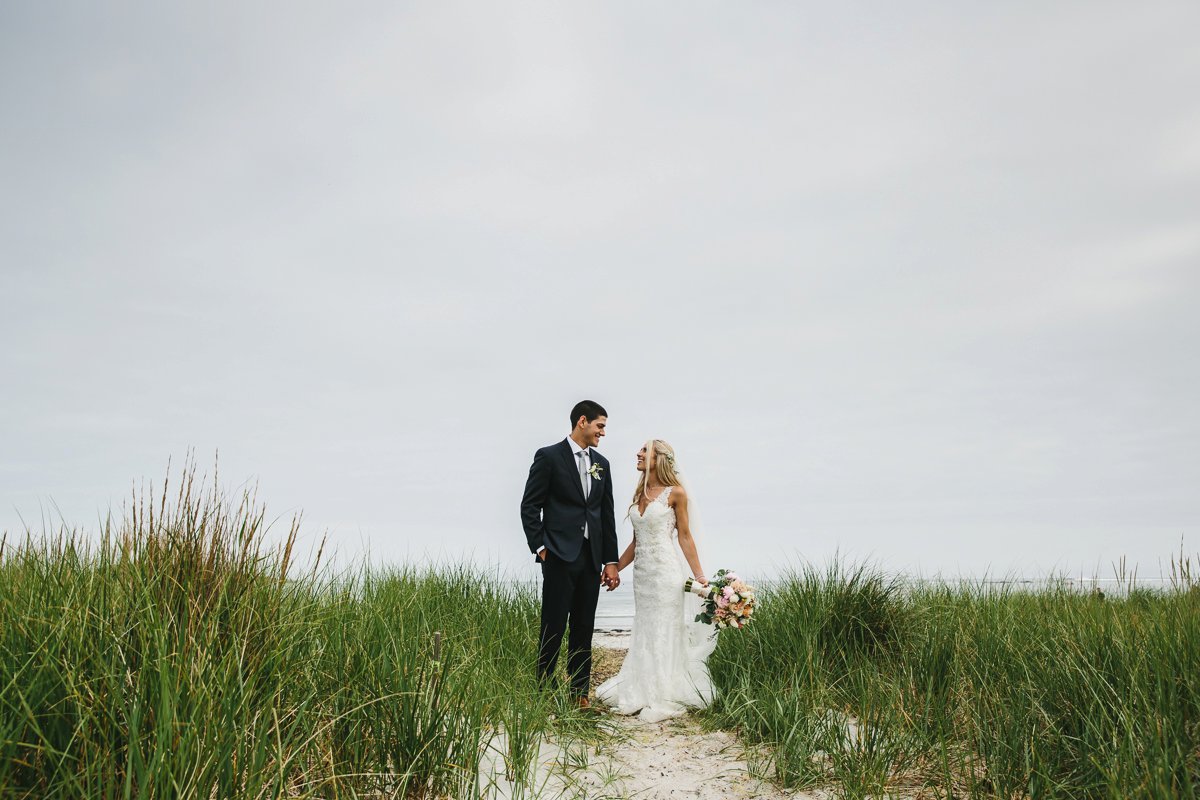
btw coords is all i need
(852, 681)
(178, 655)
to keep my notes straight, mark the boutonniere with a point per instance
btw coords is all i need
(596, 471)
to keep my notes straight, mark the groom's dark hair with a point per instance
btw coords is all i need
(587, 408)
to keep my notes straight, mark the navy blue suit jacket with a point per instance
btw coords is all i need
(553, 509)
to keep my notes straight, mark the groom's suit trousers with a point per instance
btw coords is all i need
(570, 591)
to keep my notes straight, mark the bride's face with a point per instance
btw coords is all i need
(644, 459)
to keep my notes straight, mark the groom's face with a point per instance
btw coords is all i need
(592, 431)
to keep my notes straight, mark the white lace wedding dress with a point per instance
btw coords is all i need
(665, 670)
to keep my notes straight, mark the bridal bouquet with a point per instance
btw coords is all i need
(728, 601)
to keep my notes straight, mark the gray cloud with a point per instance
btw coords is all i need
(915, 283)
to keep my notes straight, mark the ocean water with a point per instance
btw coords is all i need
(614, 611)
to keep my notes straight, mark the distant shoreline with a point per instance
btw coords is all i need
(612, 639)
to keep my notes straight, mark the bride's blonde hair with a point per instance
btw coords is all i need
(664, 469)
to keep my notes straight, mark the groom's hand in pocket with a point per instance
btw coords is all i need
(542, 554)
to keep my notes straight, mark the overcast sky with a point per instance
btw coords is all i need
(914, 282)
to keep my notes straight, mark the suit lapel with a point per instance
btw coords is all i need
(569, 459)
(591, 481)
(595, 484)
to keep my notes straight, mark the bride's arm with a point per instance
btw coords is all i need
(687, 544)
(627, 556)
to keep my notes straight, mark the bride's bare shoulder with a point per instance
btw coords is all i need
(678, 495)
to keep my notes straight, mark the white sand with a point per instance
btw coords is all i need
(677, 759)
(674, 759)
(611, 640)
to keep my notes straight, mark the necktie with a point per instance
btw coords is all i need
(583, 476)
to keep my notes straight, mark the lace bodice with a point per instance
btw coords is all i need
(655, 534)
(664, 671)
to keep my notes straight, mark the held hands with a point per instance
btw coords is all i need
(610, 578)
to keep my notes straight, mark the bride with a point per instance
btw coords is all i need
(664, 672)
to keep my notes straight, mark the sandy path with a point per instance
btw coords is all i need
(677, 759)
(673, 759)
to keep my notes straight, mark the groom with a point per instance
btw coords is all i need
(567, 513)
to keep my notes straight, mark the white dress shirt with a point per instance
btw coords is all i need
(587, 464)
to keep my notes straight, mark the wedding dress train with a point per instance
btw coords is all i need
(665, 670)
